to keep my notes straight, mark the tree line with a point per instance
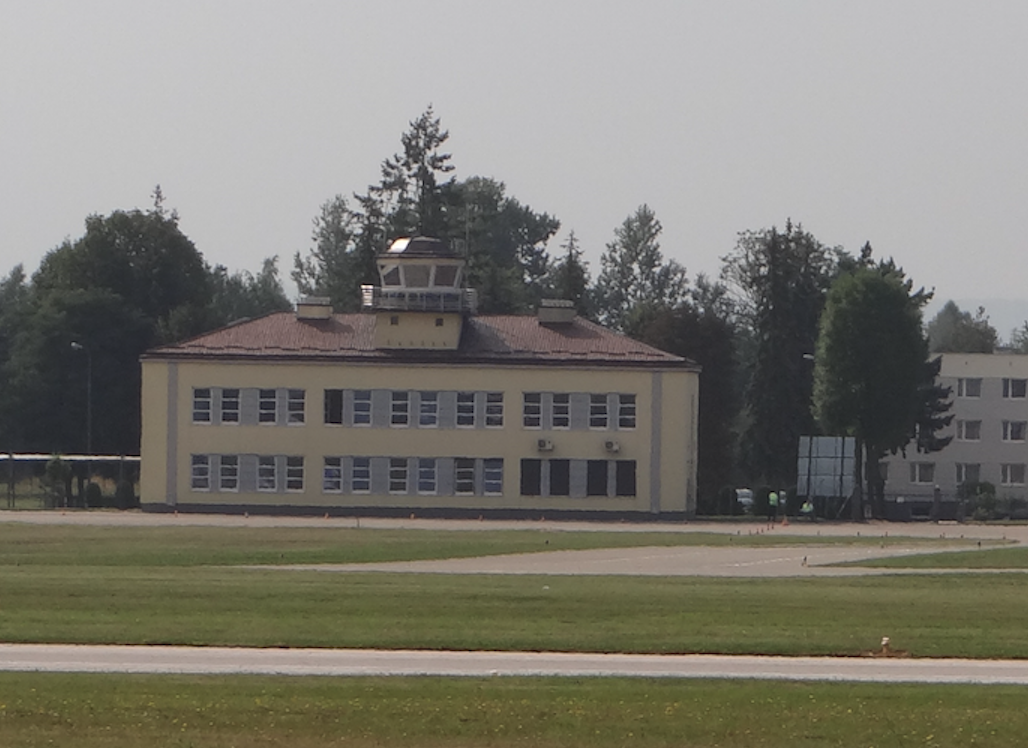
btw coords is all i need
(774, 331)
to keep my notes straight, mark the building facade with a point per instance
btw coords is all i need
(989, 430)
(419, 406)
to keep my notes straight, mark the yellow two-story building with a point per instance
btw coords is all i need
(419, 406)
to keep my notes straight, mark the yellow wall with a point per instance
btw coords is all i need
(168, 444)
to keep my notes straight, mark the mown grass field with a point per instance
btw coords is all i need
(177, 585)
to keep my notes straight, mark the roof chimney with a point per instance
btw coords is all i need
(314, 307)
(556, 312)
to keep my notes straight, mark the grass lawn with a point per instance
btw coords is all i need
(990, 558)
(127, 711)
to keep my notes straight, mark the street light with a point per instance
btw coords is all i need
(89, 395)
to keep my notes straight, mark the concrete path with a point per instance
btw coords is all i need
(369, 662)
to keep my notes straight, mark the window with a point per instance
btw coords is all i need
(626, 411)
(560, 477)
(466, 410)
(1012, 475)
(228, 473)
(969, 388)
(332, 475)
(294, 473)
(969, 431)
(532, 410)
(464, 476)
(362, 408)
(968, 472)
(922, 472)
(202, 405)
(200, 479)
(397, 475)
(597, 411)
(1014, 431)
(360, 476)
(428, 409)
(333, 406)
(267, 401)
(596, 478)
(230, 406)
(492, 476)
(295, 406)
(267, 474)
(426, 475)
(494, 410)
(561, 411)
(400, 413)
(624, 479)
(1015, 388)
(531, 477)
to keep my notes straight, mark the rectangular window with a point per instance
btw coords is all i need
(228, 473)
(202, 405)
(596, 478)
(560, 477)
(597, 411)
(531, 477)
(969, 387)
(295, 406)
(1012, 475)
(532, 410)
(426, 475)
(362, 407)
(267, 473)
(397, 475)
(626, 411)
(230, 406)
(360, 476)
(561, 410)
(428, 409)
(400, 412)
(969, 431)
(334, 406)
(494, 410)
(200, 475)
(332, 475)
(466, 410)
(464, 476)
(624, 480)
(1014, 431)
(294, 474)
(922, 472)
(1015, 388)
(266, 406)
(492, 476)
(968, 472)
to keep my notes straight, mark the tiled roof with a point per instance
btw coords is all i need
(485, 339)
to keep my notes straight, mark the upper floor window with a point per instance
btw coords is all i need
(333, 406)
(532, 410)
(561, 416)
(969, 431)
(922, 472)
(466, 409)
(1015, 431)
(1015, 388)
(266, 406)
(494, 410)
(428, 409)
(400, 413)
(230, 406)
(626, 411)
(295, 406)
(598, 411)
(362, 407)
(202, 405)
(969, 387)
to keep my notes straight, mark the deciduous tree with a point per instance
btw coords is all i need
(953, 330)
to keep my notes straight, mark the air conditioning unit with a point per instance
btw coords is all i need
(612, 446)
(544, 445)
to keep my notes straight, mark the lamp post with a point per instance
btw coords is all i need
(89, 402)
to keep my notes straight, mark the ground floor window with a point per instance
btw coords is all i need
(200, 478)
(578, 478)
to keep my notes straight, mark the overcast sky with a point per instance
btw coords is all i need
(896, 122)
